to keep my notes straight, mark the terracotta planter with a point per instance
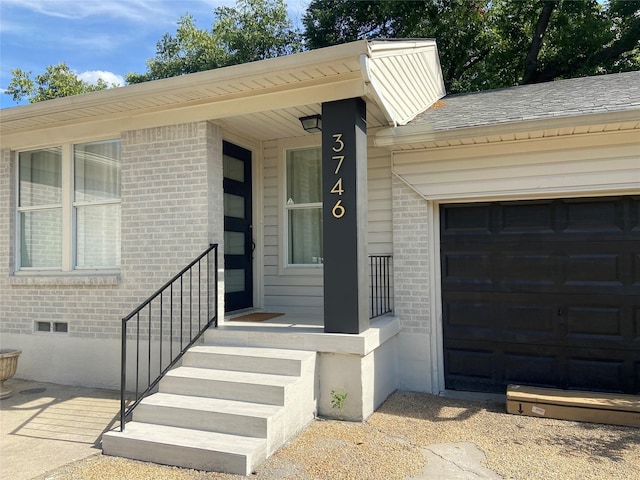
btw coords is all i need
(8, 365)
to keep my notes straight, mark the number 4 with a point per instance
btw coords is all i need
(337, 188)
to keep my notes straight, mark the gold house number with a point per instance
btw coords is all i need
(338, 210)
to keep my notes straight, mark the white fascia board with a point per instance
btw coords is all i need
(215, 110)
(246, 71)
(424, 132)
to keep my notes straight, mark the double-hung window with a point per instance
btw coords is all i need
(304, 206)
(40, 208)
(69, 207)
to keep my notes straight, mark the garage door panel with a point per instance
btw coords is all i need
(465, 315)
(597, 323)
(531, 270)
(601, 215)
(471, 220)
(558, 272)
(583, 373)
(468, 267)
(534, 218)
(550, 296)
(532, 320)
(543, 370)
(599, 269)
(574, 320)
(542, 366)
(471, 363)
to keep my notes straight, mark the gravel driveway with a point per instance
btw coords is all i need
(392, 443)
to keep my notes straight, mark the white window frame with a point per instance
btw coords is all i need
(37, 208)
(284, 146)
(68, 259)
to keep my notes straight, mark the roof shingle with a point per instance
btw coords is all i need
(562, 98)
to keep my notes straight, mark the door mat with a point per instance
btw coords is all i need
(256, 317)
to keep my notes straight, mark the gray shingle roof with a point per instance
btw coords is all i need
(562, 98)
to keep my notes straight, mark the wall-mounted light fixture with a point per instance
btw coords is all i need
(312, 123)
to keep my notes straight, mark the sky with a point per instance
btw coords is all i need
(96, 38)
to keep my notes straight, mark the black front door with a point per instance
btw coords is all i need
(238, 235)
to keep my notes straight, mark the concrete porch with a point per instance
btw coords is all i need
(364, 366)
(248, 387)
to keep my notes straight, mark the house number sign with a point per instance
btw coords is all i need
(338, 209)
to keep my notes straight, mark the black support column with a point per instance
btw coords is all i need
(344, 196)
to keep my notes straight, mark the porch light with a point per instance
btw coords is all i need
(312, 123)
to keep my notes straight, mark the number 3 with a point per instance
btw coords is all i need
(338, 137)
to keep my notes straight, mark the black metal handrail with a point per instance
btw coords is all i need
(160, 325)
(380, 284)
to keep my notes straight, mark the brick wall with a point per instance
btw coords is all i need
(411, 258)
(412, 239)
(165, 222)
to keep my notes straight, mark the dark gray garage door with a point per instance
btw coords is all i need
(543, 293)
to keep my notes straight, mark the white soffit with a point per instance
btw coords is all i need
(238, 89)
(399, 79)
(405, 75)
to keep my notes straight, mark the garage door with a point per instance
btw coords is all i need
(543, 293)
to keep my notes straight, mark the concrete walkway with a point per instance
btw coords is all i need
(44, 426)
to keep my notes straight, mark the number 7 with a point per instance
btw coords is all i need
(340, 159)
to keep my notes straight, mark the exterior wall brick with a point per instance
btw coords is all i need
(169, 215)
(411, 259)
(412, 241)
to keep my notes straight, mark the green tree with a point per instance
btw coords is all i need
(57, 81)
(552, 39)
(493, 43)
(253, 30)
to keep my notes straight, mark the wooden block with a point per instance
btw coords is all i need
(595, 407)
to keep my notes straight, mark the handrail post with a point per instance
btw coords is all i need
(215, 285)
(123, 374)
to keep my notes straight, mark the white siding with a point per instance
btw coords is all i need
(290, 292)
(589, 164)
(379, 215)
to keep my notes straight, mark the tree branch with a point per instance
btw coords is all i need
(531, 62)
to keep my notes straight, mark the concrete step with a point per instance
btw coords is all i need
(225, 409)
(187, 448)
(227, 384)
(210, 414)
(248, 359)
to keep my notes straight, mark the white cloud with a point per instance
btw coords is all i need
(131, 10)
(92, 77)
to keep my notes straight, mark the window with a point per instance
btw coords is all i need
(97, 204)
(40, 208)
(304, 206)
(69, 207)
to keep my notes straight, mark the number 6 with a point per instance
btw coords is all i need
(338, 210)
